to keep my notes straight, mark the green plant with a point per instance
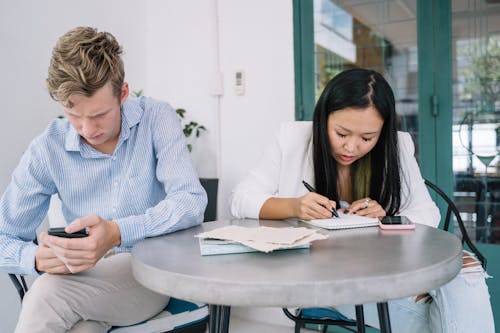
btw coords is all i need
(480, 76)
(189, 128)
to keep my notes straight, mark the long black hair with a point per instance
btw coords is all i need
(359, 88)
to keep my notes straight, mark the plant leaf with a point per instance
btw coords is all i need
(180, 112)
(137, 93)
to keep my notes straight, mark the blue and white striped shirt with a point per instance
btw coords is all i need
(148, 185)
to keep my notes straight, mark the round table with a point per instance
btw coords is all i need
(352, 266)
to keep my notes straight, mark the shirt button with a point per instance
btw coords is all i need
(114, 209)
(115, 184)
(113, 158)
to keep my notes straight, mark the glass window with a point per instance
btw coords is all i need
(476, 116)
(381, 35)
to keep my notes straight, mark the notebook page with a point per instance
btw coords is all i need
(344, 221)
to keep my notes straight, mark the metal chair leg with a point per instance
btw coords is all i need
(383, 317)
(360, 319)
(226, 313)
(219, 318)
(214, 318)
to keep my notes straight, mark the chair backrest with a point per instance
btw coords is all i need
(56, 218)
(211, 186)
(452, 209)
(20, 284)
(19, 281)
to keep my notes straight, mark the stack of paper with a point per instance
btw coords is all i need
(237, 239)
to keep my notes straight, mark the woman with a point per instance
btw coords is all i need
(356, 159)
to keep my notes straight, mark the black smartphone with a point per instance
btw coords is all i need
(396, 222)
(59, 232)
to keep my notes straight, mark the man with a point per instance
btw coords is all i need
(121, 169)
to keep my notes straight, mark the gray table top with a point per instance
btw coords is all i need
(354, 266)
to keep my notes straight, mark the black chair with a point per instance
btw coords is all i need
(493, 211)
(195, 315)
(452, 209)
(20, 284)
(211, 187)
(326, 317)
(330, 317)
(175, 306)
(469, 195)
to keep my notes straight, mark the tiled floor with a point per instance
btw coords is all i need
(239, 325)
(260, 320)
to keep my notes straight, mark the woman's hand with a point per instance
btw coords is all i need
(366, 207)
(313, 206)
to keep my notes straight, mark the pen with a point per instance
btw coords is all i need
(311, 189)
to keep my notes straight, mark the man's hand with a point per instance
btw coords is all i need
(45, 258)
(80, 254)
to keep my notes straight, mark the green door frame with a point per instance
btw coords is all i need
(303, 38)
(435, 91)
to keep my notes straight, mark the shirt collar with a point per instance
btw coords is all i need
(131, 115)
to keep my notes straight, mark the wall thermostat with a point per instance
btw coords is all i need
(239, 83)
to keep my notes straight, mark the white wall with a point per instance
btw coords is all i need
(28, 31)
(253, 36)
(256, 36)
(180, 64)
(173, 48)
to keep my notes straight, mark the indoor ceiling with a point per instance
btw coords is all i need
(471, 18)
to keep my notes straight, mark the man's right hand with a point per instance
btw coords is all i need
(45, 258)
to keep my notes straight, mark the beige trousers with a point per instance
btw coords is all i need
(91, 301)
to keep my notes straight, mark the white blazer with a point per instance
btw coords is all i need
(288, 160)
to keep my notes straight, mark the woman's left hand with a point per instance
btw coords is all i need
(366, 207)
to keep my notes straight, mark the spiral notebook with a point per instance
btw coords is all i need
(344, 221)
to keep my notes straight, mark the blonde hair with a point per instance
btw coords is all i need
(361, 178)
(82, 62)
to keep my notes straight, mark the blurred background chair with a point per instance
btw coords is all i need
(325, 317)
(452, 211)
